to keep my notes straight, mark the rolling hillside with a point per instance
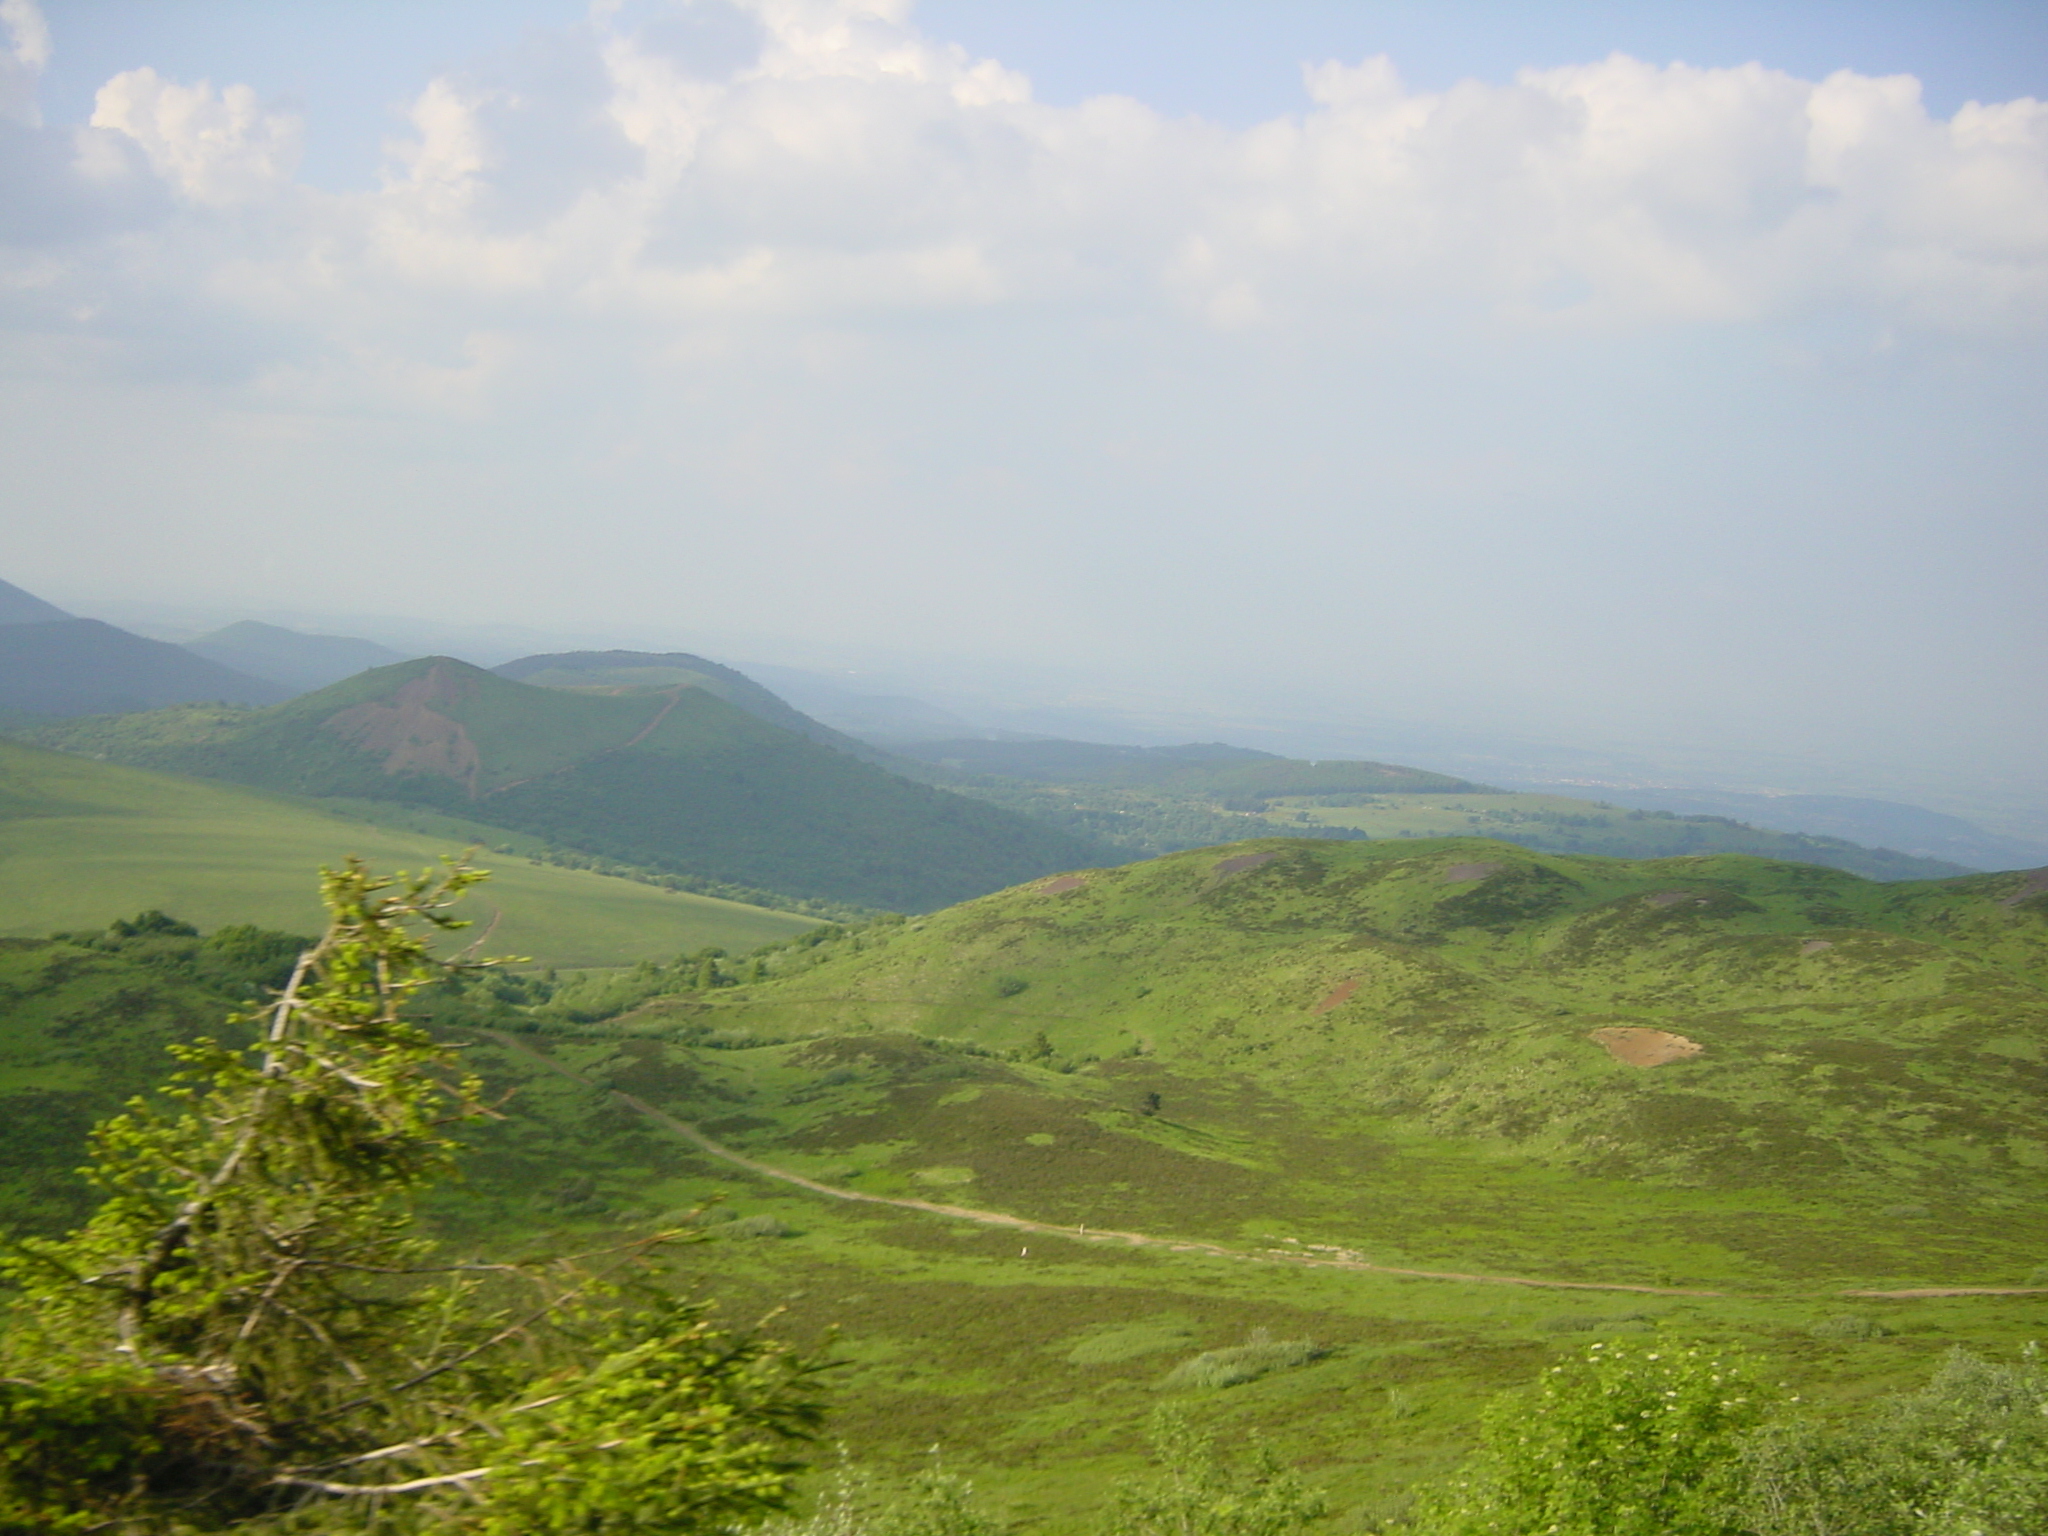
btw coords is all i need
(1427, 1111)
(1441, 1106)
(673, 779)
(82, 843)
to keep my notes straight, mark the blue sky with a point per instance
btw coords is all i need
(1659, 375)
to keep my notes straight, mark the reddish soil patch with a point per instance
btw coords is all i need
(1457, 874)
(1815, 946)
(1338, 994)
(1241, 863)
(2035, 883)
(1062, 885)
(1645, 1047)
(1673, 898)
(413, 736)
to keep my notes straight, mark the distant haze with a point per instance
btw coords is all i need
(1677, 408)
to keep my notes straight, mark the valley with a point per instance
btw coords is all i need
(1043, 1082)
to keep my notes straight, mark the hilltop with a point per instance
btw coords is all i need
(631, 671)
(19, 607)
(671, 779)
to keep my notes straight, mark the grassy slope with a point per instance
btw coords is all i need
(83, 842)
(1865, 1115)
(1862, 1117)
(679, 781)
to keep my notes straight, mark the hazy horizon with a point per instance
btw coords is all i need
(1373, 369)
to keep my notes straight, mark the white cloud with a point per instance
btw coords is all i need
(849, 165)
(216, 148)
(22, 60)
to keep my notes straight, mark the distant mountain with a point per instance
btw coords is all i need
(674, 779)
(1231, 774)
(19, 607)
(620, 672)
(884, 719)
(1910, 829)
(298, 661)
(85, 667)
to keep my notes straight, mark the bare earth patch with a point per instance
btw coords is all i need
(1457, 874)
(1644, 1047)
(1673, 898)
(1241, 863)
(1815, 946)
(413, 735)
(1062, 885)
(1338, 994)
(2035, 883)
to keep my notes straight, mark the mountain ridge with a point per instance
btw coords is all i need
(673, 779)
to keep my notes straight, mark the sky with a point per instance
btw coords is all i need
(1663, 375)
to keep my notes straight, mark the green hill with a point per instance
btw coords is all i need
(1328, 1079)
(82, 842)
(1065, 1141)
(1875, 1044)
(672, 779)
(629, 671)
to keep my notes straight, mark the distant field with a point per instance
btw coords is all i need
(83, 842)
(1566, 824)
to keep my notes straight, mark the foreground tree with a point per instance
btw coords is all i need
(1621, 1442)
(249, 1329)
(1966, 1455)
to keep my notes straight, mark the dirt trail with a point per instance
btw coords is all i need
(1002, 1219)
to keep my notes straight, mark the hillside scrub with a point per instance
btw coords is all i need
(248, 1329)
(1673, 1440)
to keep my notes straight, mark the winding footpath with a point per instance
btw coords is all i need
(1024, 1224)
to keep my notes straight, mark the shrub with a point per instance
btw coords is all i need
(1848, 1325)
(1966, 1455)
(1195, 1494)
(1258, 1355)
(1623, 1441)
(762, 1225)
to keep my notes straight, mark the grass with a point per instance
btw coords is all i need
(83, 842)
(1359, 1051)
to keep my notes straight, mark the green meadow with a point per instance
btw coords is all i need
(1327, 1141)
(83, 842)
(1325, 1080)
